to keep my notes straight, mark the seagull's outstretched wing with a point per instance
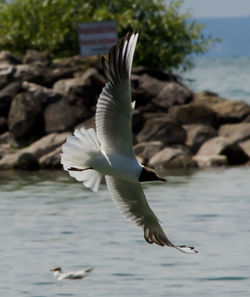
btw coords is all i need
(114, 107)
(131, 199)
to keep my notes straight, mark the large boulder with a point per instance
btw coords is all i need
(197, 134)
(3, 125)
(172, 93)
(8, 58)
(7, 144)
(6, 74)
(245, 145)
(82, 86)
(172, 157)
(43, 95)
(28, 158)
(51, 160)
(227, 111)
(223, 146)
(236, 132)
(210, 161)
(6, 96)
(46, 144)
(25, 119)
(33, 56)
(146, 150)
(150, 87)
(164, 129)
(57, 72)
(64, 115)
(193, 114)
(29, 72)
(154, 73)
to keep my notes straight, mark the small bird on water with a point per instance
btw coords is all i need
(88, 155)
(80, 274)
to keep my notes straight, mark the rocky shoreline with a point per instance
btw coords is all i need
(42, 101)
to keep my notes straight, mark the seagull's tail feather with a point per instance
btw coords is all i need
(77, 152)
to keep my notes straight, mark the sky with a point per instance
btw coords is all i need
(217, 8)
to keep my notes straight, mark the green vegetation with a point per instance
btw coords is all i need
(167, 37)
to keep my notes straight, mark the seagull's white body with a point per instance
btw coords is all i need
(89, 155)
(80, 274)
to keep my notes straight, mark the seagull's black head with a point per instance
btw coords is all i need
(59, 269)
(149, 174)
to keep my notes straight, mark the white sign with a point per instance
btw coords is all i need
(96, 38)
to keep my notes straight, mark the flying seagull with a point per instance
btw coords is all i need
(80, 274)
(88, 155)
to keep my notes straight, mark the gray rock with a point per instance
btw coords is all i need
(150, 85)
(193, 114)
(146, 150)
(172, 93)
(172, 157)
(64, 115)
(223, 146)
(19, 160)
(25, 117)
(7, 144)
(210, 161)
(58, 72)
(162, 129)
(227, 111)
(245, 145)
(33, 56)
(154, 73)
(82, 86)
(29, 72)
(6, 96)
(3, 125)
(51, 160)
(28, 157)
(236, 132)
(26, 161)
(6, 74)
(43, 95)
(8, 58)
(46, 144)
(197, 134)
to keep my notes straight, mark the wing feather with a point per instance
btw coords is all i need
(114, 107)
(132, 201)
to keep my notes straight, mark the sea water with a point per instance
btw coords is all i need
(47, 220)
(229, 77)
